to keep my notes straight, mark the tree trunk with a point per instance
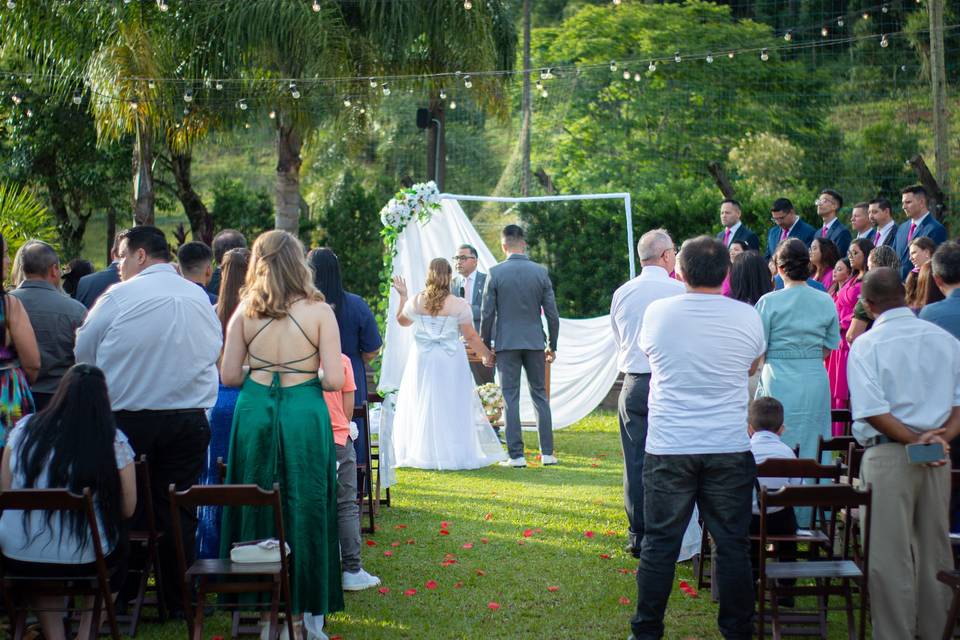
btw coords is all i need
(143, 193)
(288, 178)
(201, 222)
(938, 82)
(720, 177)
(437, 159)
(70, 229)
(111, 231)
(526, 106)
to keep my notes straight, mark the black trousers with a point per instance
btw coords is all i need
(175, 443)
(632, 409)
(779, 523)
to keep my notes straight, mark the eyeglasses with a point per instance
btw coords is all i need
(462, 258)
(820, 201)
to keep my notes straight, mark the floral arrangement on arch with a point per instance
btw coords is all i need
(418, 202)
(492, 398)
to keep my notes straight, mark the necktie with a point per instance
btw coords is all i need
(913, 227)
(726, 237)
(876, 239)
(823, 232)
(783, 234)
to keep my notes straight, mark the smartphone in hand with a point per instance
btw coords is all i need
(925, 453)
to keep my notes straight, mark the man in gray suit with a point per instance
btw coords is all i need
(516, 292)
(469, 283)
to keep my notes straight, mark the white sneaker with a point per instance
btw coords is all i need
(313, 626)
(548, 460)
(358, 580)
(514, 462)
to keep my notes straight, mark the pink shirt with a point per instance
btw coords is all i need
(334, 400)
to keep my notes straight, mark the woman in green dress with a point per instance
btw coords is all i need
(281, 334)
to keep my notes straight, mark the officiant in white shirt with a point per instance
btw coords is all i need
(468, 284)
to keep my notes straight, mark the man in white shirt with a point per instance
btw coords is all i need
(904, 377)
(658, 257)
(702, 348)
(880, 211)
(157, 339)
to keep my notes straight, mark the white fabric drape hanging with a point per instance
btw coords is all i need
(586, 364)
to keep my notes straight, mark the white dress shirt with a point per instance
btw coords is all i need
(826, 225)
(701, 347)
(904, 366)
(157, 339)
(629, 303)
(766, 445)
(884, 232)
(733, 231)
(468, 284)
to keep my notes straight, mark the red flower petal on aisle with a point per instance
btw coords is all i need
(387, 554)
(489, 516)
(684, 585)
(371, 543)
(624, 571)
(395, 544)
(447, 563)
(338, 637)
(431, 584)
(610, 533)
(624, 600)
(410, 592)
(449, 556)
(604, 556)
(481, 572)
(493, 606)
(384, 590)
(411, 541)
(444, 532)
(589, 534)
(457, 585)
(400, 526)
(538, 530)
(444, 524)
(468, 545)
(594, 465)
(484, 540)
(527, 533)
(521, 542)
(552, 589)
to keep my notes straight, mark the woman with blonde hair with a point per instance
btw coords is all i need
(278, 338)
(439, 421)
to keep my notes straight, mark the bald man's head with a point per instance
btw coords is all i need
(882, 290)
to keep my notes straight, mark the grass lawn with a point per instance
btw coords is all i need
(530, 553)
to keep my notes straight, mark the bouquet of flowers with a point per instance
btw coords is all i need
(419, 201)
(492, 398)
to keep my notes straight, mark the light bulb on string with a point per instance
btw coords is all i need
(453, 104)
(186, 111)
(29, 113)
(294, 92)
(884, 41)
(764, 55)
(840, 21)
(242, 103)
(385, 89)
(467, 82)
(28, 79)
(443, 94)
(788, 36)
(903, 67)
(709, 58)
(363, 110)
(549, 74)
(467, 4)
(151, 84)
(626, 74)
(613, 65)
(652, 66)
(539, 85)
(543, 93)
(246, 125)
(730, 55)
(346, 102)
(188, 95)
(543, 74)
(373, 83)
(315, 6)
(636, 77)
(616, 3)
(866, 16)
(77, 97)
(16, 98)
(824, 32)
(134, 104)
(218, 85)
(11, 4)
(163, 6)
(676, 57)
(272, 115)
(885, 9)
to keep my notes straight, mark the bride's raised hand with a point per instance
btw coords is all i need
(400, 285)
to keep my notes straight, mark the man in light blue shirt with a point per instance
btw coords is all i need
(946, 273)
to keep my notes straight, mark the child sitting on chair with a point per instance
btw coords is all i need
(765, 425)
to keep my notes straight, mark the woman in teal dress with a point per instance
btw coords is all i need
(279, 337)
(801, 328)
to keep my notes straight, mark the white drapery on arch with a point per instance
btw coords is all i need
(586, 364)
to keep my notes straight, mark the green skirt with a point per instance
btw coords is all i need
(283, 434)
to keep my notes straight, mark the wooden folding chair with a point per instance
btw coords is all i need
(838, 445)
(845, 416)
(955, 537)
(223, 576)
(145, 541)
(18, 590)
(361, 417)
(951, 578)
(842, 569)
(854, 458)
(376, 398)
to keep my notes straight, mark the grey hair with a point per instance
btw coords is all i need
(36, 258)
(653, 243)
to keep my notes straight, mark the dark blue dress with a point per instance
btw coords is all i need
(358, 335)
(221, 419)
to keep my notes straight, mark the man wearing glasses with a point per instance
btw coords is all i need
(468, 284)
(787, 225)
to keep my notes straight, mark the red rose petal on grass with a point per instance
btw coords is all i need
(457, 585)
(594, 465)
(527, 533)
(489, 516)
(394, 544)
(431, 584)
(336, 637)
(481, 572)
(538, 530)
(449, 556)
(521, 541)
(400, 526)
(387, 554)
(444, 524)
(589, 534)
(371, 543)
(624, 600)
(493, 606)
(447, 563)
(411, 541)
(467, 545)
(624, 571)
(384, 590)
(410, 592)
(444, 532)
(604, 556)
(484, 540)
(552, 589)
(610, 533)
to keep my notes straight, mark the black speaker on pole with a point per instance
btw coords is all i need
(423, 118)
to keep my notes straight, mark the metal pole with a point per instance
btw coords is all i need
(630, 255)
(436, 152)
(938, 82)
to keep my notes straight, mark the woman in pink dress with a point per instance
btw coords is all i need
(846, 300)
(823, 258)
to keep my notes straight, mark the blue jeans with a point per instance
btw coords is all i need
(721, 484)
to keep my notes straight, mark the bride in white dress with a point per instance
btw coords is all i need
(439, 421)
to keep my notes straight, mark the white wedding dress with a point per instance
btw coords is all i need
(439, 421)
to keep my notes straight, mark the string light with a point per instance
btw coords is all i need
(709, 58)
(730, 55)
(346, 102)
(613, 65)
(11, 4)
(764, 55)
(626, 74)
(151, 84)
(246, 125)
(824, 32)
(866, 16)
(788, 36)
(242, 103)
(77, 97)
(885, 9)
(29, 79)
(218, 85)
(467, 5)
(467, 82)
(315, 6)
(163, 6)
(443, 94)
(273, 115)
(373, 83)
(636, 77)
(453, 104)
(676, 57)
(840, 21)
(884, 41)
(543, 93)
(29, 113)
(385, 89)
(188, 95)
(539, 85)
(652, 66)
(294, 92)
(186, 111)
(616, 3)
(134, 104)
(16, 98)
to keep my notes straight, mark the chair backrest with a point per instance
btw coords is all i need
(221, 470)
(854, 457)
(145, 493)
(844, 416)
(798, 468)
(361, 417)
(839, 444)
(831, 497)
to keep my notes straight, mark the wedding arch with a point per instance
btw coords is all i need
(586, 364)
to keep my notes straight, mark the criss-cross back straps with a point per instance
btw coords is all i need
(281, 367)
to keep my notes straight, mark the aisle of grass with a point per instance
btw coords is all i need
(512, 535)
